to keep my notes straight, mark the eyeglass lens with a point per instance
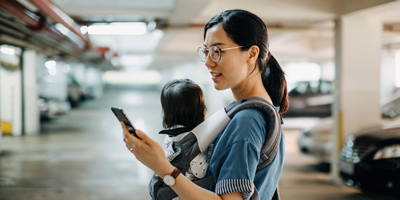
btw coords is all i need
(214, 52)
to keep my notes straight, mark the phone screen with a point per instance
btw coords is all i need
(122, 117)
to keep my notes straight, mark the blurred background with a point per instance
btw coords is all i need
(64, 63)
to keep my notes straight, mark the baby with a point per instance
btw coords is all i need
(183, 108)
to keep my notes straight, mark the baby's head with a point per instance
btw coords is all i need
(182, 102)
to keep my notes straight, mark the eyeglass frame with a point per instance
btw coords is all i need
(220, 50)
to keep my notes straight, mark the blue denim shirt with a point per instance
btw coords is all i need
(236, 154)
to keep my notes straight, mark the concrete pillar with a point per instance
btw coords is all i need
(1, 133)
(16, 104)
(10, 83)
(11, 100)
(31, 96)
(357, 83)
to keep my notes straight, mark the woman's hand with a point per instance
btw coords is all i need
(150, 153)
(147, 151)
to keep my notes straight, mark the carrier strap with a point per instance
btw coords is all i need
(273, 132)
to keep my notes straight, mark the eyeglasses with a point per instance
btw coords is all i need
(215, 53)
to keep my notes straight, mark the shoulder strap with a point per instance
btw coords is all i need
(273, 133)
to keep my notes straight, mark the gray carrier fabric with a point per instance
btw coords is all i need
(189, 149)
(205, 133)
(273, 137)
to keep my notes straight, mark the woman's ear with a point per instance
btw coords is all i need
(253, 54)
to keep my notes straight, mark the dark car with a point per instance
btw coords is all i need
(310, 99)
(371, 159)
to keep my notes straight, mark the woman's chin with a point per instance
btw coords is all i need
(219, 87)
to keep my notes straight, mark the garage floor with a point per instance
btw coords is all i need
(81, 156)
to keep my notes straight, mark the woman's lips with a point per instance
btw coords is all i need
(215, 76)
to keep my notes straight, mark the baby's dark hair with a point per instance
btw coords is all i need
(182, 103)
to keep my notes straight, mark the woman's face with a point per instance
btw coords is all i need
(232, 70)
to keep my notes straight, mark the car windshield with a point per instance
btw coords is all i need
(312, 87)
(391, 109)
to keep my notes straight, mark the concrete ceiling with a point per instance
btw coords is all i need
(297, 28)
(184, 12)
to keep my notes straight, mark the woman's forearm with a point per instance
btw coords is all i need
(187, 190)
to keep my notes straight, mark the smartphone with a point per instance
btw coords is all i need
(122, 117)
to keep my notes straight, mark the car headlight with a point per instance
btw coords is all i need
(349, 141)
(349, 153)
(392, 151)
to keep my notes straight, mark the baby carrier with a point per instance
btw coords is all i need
(199, 139)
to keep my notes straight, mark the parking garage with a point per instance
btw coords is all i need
(65, 63)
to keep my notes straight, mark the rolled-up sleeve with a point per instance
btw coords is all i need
(237, 166)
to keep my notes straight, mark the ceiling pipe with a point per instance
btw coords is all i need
(33, 21)
(37, 23)
(49, 8)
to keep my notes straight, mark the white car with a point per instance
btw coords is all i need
(317, 141)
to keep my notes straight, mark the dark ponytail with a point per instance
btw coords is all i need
(246, 29)
(274, 82)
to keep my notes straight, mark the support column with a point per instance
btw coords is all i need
(357, 82)
(1, 133)
(31, 96)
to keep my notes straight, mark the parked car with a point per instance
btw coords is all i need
(75, 92)
(317, 141)
(310, 99)
(51, 108)
(371, 159)
(391, 108)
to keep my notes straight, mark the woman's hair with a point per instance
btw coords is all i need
(182, 103)
(246, 29)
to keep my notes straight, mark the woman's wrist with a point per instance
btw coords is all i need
(167, 170)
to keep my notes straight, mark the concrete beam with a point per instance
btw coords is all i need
(349, 6)
(185, 11)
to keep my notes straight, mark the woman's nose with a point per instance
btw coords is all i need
(209, 63)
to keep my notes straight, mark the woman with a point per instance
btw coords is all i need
(236, 54)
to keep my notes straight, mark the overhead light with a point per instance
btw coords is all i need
(118, 28)
(51, 64)
(84, 29)
(8, 51)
